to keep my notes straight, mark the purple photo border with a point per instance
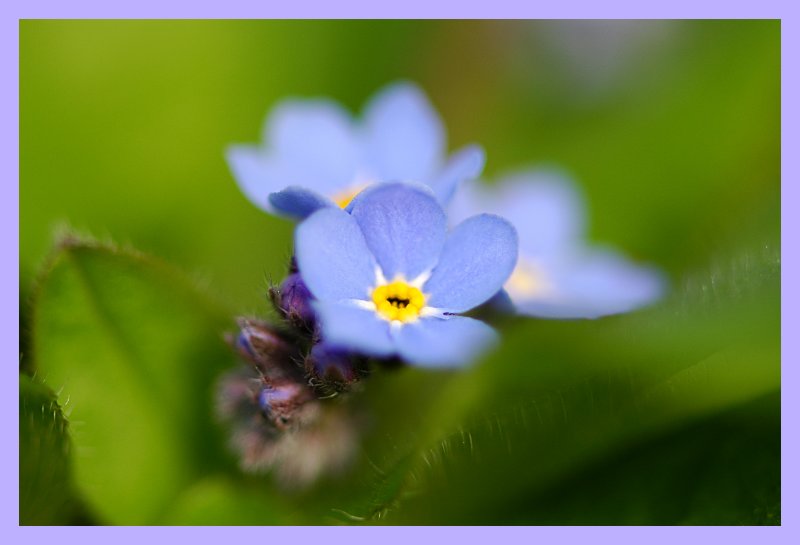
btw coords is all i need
(15, 10)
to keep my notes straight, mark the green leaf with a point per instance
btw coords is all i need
(133, 349)
(45, 491)
(721, 470)
(219, 501)
(562, 397)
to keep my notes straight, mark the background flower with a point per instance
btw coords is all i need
(315, 155)
(396, 238)
(559, 274)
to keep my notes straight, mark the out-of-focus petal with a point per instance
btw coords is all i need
(476, 260)
(403, 137)
(591, 284)
(333, 257)
(443, 342)
(544, 205)
(350, 327)
(253, 174)
(465, 164)
(315, 143)
(298, 202)
(404, 227)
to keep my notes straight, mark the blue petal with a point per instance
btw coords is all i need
(298, 202)
(443, 342)
(251, 170)
(465, 164)
(477, 259)
(349, 327)
(314, 143)
(333, 257)
(545, 206)
(404, 227)
(403, 135)
(591, 284)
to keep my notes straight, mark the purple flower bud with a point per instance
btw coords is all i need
(283, 402)
(295, 302)
(330, 364)
(262, 345)
(282, 426)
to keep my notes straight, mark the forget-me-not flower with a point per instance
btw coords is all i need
(315, 155)
(389, 280)
(558, 275)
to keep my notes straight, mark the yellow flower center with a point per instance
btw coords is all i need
(528, 281)
(343, 198)
(398, 301)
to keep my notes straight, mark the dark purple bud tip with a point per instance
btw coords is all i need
(330, 364)
(295, 302)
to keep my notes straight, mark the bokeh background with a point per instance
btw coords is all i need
(665, 416)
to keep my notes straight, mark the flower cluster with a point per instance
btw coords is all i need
(395, 243)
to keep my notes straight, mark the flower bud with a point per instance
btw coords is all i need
(284, 403)
(329, 364)
(295, 302)
(282, 426)
(260, 344)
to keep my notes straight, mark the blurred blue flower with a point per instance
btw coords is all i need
(388, 278)
(558, 274)
(315, 155)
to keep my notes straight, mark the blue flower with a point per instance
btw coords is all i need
(315, 155)
(389, 280)
(558, 274)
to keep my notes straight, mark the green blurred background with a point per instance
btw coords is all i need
(671, 127)
(123, 124)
